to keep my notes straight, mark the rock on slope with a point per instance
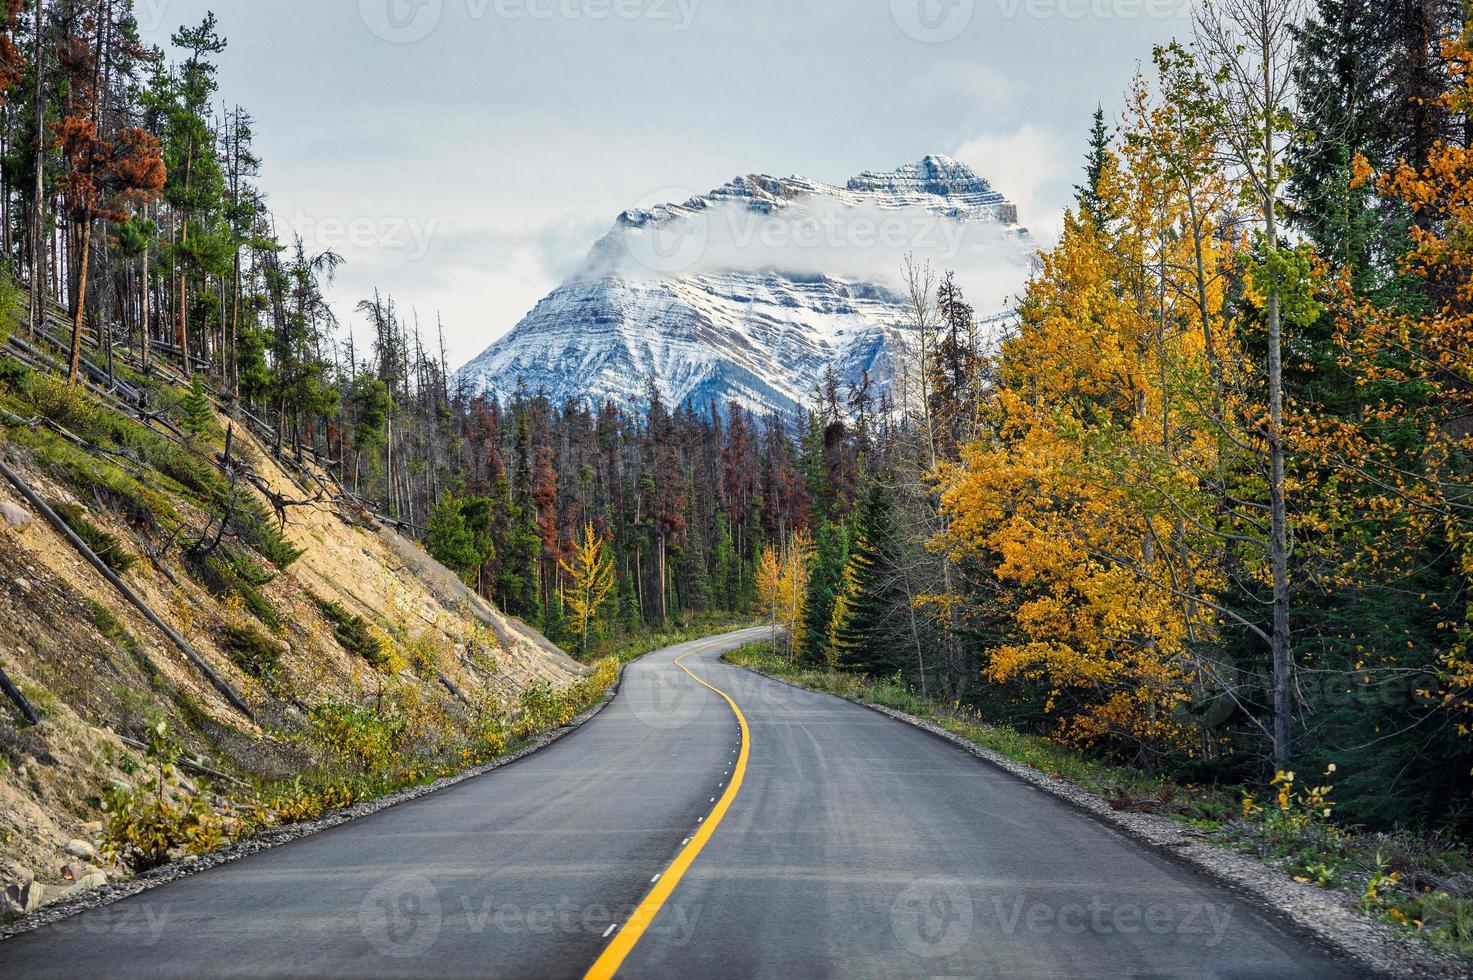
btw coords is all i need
(750, 292)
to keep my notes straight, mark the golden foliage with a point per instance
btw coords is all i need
(1092, 492)
(782, 586)
(590, 582)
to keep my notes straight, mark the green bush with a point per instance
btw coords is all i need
(147, 825)
(13, 374)
(261, 533)
(222, 577)
(356, 733)
(251, 650)
(353, 632)
(107, 547)
(248, 569)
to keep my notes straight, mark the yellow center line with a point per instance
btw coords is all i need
(624, 942)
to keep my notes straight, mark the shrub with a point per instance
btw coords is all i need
(66, 405)
(148, 824)
(106, 546)
(262, 534)
(13, 374)
(249, 571)
(222, 577)
(251, 650)
(191, 471)
(355, 733)
(353, 632)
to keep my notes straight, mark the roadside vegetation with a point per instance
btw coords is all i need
(372, 753)
(1192, 526)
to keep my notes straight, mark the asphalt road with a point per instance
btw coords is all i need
(854, 846)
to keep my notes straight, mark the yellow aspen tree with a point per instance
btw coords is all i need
(590, 582)
(1091, 494)
(782, 587)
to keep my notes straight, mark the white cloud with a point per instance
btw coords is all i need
(821, 236)
(990, 89)
(1030, 166)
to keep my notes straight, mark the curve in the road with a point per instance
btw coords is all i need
(628, 937)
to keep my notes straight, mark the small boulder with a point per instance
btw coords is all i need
(81, 849)
(15, 515)
(87, 883)
(73, 871)
(22, 898)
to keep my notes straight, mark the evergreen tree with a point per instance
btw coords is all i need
(457, 537)
(194, 410)
(824, 584)
(870, 618)
(1091, 202)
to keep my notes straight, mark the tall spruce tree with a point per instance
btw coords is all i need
(825, 581)
(873, 610)
(1091, 202)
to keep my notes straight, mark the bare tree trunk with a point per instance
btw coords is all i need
(38, 245)
(144, 326)
(81, 301)
(1252, 45)
(1278, 505)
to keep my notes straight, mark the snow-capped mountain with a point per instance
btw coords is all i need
(749, 292)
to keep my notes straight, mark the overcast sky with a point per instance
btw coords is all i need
(463, 155)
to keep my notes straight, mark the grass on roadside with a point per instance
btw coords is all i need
(366, 753)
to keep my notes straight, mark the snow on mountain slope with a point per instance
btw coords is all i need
(750, 292)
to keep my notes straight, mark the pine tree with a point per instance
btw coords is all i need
(874, 611)
(824, 584)
(194, 410)
(1096, 159)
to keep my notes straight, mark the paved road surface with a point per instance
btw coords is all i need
(854, 847)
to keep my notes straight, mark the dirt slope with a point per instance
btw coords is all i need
(101, 675)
